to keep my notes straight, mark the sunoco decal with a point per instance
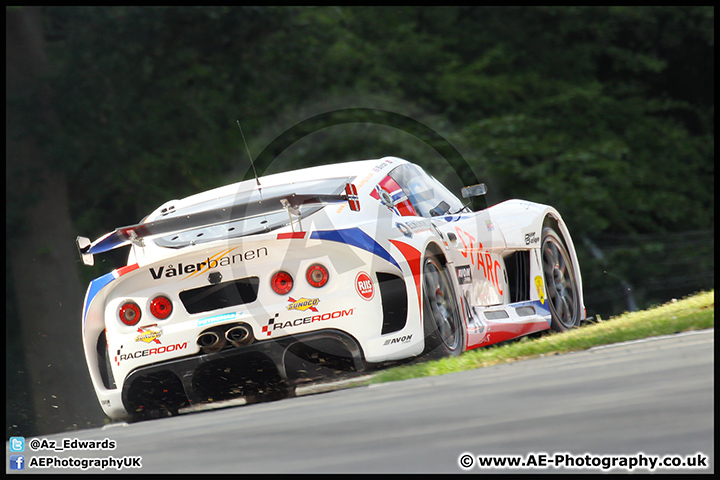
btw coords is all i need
(148, 334)
(222, 259)
(303, 304)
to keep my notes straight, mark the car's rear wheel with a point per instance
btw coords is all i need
(560, 282)
(444, 334)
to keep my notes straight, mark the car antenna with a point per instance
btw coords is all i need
(252, 164)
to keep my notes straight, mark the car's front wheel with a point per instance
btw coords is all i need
(444, 334)
(560, 282)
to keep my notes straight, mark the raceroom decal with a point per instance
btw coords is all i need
(298, 322)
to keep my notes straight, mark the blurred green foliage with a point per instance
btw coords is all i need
(606, 113)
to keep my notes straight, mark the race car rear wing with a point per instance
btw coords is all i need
(257, 202)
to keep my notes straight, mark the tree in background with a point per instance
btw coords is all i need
(47, 378)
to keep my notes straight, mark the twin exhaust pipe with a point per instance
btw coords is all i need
(211, 342)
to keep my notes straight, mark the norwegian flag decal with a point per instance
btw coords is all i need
(352, 197)
(393, 197)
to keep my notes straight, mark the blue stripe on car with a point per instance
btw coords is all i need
(356, 238)
(95, 286)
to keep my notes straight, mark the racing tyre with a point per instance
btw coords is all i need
(560, 282)
(444, 334)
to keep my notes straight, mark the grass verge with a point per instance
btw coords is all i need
(693, 313)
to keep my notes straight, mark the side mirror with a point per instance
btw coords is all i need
(474, 190)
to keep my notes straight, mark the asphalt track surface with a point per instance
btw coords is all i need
(651, 397)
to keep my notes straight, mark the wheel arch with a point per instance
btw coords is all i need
(554, 221)
(433, 249)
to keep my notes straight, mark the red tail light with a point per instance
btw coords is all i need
(161, 307)
(317, 275)
(281, 283)
(130, 313)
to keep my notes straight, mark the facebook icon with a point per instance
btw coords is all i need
(17, 462)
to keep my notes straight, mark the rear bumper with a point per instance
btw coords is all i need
(264, 370)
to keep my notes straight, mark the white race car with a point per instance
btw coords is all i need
(251, 289)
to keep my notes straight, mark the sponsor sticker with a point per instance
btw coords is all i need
(464, 274)
(119, 357)
(299, 322)
(393, 341)
(224, 258)
(540, 289)
(218, 318)
(148, 334)
(531, 238)
(364, 286)
(480, 258)
(303, 304)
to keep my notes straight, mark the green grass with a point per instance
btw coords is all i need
(692, 313)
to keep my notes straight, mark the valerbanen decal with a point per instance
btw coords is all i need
(221, 259)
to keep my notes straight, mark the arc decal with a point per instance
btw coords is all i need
(480, 258)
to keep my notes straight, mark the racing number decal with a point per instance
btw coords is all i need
(480, 258)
